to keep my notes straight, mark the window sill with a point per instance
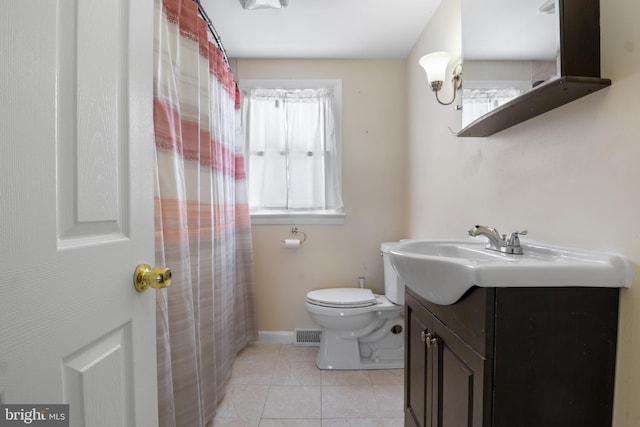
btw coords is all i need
(287, 218)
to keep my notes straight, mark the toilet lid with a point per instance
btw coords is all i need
(342, 297)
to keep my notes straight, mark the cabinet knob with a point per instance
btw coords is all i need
(430, 339)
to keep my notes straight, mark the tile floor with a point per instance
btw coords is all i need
(274, 385)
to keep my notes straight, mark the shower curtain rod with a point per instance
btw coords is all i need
(213, 31)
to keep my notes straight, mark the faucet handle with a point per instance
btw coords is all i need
(513, 239)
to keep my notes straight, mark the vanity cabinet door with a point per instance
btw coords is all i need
(447, 383)
(461, 381)
(417, 369)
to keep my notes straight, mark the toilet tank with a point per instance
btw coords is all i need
(393, 286)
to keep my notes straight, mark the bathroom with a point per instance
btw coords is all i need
(568, 176)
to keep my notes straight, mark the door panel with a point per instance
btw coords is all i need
(101, 369)
(418, 396)
(460, 372)
(456, 392)
(92, 120)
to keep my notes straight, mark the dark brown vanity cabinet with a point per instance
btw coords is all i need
(506, 357)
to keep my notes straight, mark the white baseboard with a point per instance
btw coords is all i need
(276, 337)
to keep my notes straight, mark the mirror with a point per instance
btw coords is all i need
(508, 47)
(525, 57)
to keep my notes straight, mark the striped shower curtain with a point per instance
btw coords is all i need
(202, 224)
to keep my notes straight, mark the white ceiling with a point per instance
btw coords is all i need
(356, 29)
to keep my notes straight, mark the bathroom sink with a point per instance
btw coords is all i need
(441, 271)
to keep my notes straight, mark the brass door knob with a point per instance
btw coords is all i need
(146, 277)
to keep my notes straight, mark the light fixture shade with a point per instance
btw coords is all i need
(264, 4)
(435, 65)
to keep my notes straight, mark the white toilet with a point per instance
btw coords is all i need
(360, 330)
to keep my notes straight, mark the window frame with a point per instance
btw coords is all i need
(313, 217)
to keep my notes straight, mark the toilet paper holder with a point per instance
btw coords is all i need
(294, 231)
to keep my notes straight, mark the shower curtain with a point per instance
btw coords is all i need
(202, 223)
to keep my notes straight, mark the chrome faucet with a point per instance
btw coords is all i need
(497, 242)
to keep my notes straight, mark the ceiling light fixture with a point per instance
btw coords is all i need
(263, 4)
(435, 65)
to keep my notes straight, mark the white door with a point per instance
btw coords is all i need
(76, 208)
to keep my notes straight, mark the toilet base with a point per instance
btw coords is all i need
(381, 349)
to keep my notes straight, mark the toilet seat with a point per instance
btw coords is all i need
(342, 297)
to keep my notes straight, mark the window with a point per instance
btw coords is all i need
(292, 142)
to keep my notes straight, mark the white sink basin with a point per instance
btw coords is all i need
(441, 271)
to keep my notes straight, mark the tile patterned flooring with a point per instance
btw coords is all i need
(276, 385)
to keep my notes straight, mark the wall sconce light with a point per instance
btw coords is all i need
(263, 4)
(435, 65)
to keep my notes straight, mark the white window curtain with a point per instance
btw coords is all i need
(479, 101)
(292, 151)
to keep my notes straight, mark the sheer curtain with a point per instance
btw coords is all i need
(479, 101)
(202, 224)
(294, 160)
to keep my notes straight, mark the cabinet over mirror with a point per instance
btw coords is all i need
(523, 58)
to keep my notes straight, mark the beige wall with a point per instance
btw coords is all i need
(570, 176)
(373, 164)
